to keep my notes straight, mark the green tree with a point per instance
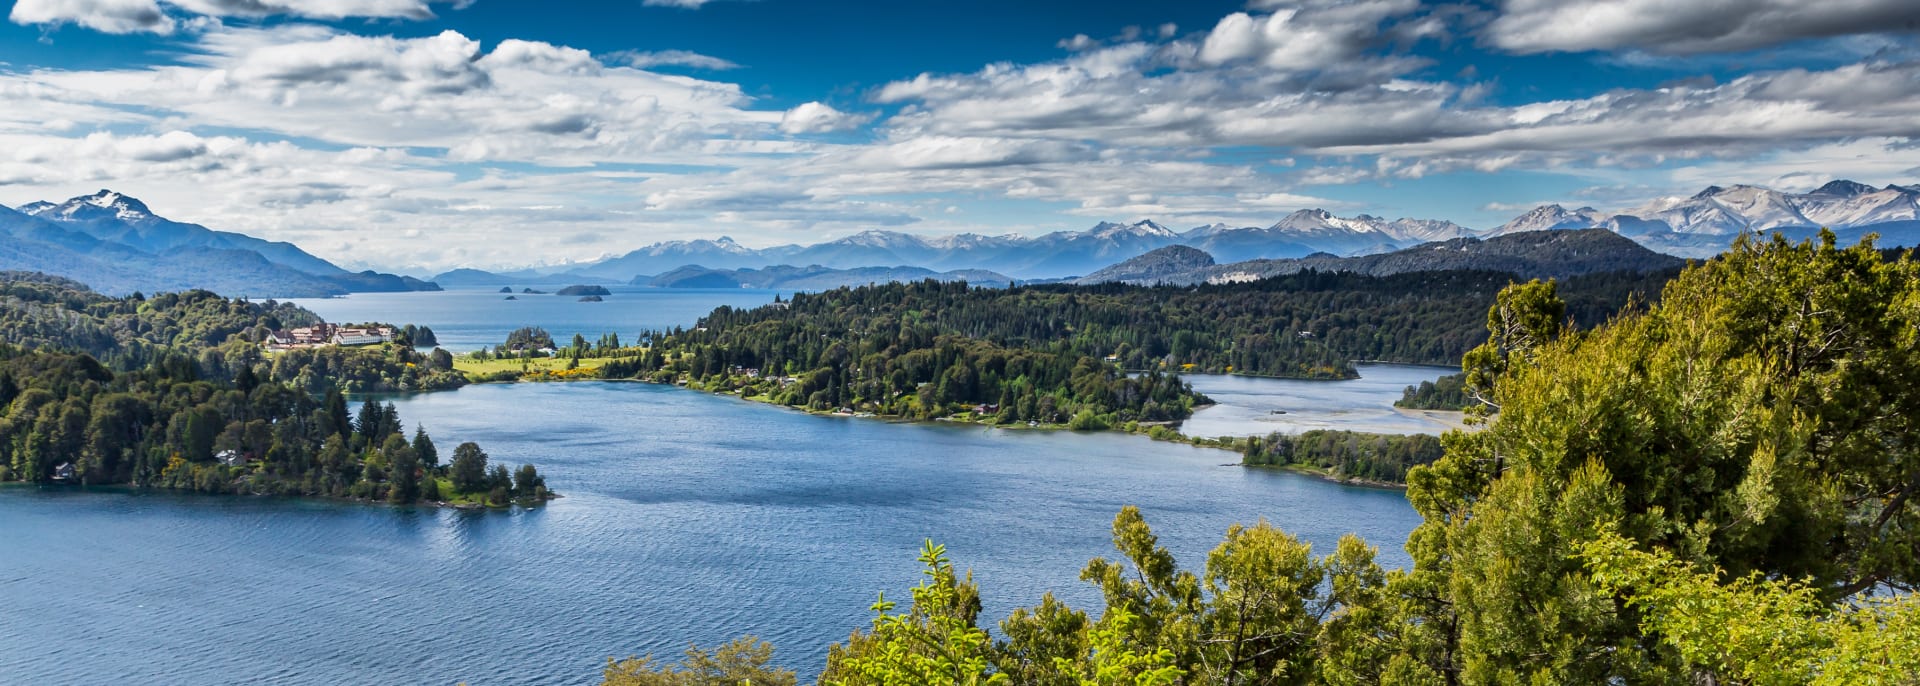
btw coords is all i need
(424, 450)
(469, 468)
(403, 468)
(744, 660)
(1759, 419)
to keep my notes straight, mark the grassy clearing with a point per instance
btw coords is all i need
(485, 367)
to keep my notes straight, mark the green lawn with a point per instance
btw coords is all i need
(469, 365)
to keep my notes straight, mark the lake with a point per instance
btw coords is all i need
(1254, 406)
(688, 517)
(465, 319)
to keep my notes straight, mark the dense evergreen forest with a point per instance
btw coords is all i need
(1345, 455)
(1054, 354)
(176, 391)
(1718, 489)
(1445, 393)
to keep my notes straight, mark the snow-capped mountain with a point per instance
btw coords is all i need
(117, 218)
(1698, 225)
(1704, 223)
(1551, 217)
(117, 244)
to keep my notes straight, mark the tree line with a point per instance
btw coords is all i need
(1346, 455)
(192, 401)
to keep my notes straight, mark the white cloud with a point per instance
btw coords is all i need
(148, 16)
(1696, 26)
(819, 117)
(317, 9)
(110, 16)
(640, 59)
(1300, 36)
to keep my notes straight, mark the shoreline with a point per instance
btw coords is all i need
(1324, 475)
(137, 489)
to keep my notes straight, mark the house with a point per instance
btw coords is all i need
(986, 408)
(344, 338)
(230, 458)
(64, 472)
(362, 335)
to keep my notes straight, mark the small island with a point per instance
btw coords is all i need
(592, 299)
(506, 289)
(530, 291)
(584, 290)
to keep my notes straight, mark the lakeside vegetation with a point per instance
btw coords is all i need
(177, 391)
(1717, 489)
(1445, 393)
(1381, 459)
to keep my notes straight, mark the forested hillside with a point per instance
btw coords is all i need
(1717, 490)
(176, 391)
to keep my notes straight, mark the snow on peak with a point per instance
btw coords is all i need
(1844, 188)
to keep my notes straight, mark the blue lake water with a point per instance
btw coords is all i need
(688, 518)
(465, 319)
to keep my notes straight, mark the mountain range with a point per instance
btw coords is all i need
(117, 245)
(1696, 226)
(1529, 255)
(812, 278)
(1705, 223)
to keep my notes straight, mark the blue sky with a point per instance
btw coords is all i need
(415, 135)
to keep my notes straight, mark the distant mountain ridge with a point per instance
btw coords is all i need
(116, 244)
(1703, 224)
(1700, 225)
(811, 278)
(1173, 261)
(1529, 255)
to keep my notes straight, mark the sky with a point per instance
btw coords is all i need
(416, 135)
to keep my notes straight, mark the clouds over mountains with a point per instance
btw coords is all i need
(347, 140)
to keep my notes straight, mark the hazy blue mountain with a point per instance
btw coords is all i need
(478, 278)
(116, 244)
(811, 278)
(1533, 254)
(1172, 261)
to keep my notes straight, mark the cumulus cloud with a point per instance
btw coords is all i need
(641, 59)
(109, 16)
(819, 117)
(1300, 36)
(523, 101)
(318, 9)
(149, 16)
(1666, 27)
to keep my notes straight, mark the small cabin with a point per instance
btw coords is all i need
(64, 472)
(231, 458)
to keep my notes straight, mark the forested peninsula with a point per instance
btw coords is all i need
(178, 391)
(1715, 489)
(1084, 357)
